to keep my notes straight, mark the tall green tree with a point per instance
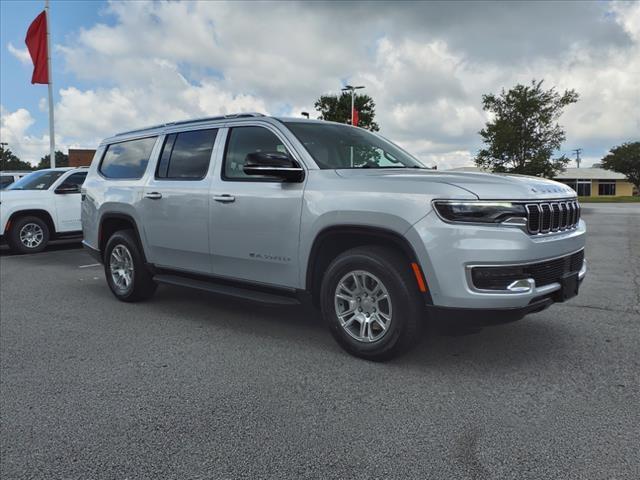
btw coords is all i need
(336, 108)
(9, 161)
(524, 133)
(62, 160)
(625, 159)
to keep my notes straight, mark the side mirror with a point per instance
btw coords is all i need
(68, 188)
(273, 164)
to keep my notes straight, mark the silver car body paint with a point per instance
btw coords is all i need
(266, 234)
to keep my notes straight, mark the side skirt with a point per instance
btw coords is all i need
(247, 291)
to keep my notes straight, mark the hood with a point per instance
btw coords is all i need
(485, 186)
(21, 195)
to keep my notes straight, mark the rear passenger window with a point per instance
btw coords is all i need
(127, 159)
(186, 155)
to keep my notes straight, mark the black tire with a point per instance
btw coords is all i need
(394, 271)
(141, 285)
(19, 240)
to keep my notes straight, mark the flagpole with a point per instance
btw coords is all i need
(52, 138)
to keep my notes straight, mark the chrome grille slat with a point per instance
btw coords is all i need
(563, 216)
(533, 217)
(572, 213)
(548, 217)
(555, 217)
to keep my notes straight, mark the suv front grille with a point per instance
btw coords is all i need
(546, 217)
(544, 273)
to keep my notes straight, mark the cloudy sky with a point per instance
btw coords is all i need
(124, 65)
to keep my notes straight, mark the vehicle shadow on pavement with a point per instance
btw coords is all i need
(54, 246)
(528, 341)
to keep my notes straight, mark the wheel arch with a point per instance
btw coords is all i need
(113, 222)
(42, 214)
(332, 241)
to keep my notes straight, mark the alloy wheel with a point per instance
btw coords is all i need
(121, 267)
(363, 306)
(31, 235)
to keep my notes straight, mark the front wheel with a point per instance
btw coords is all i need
(28, 235)
(125, 269)
(371, 302)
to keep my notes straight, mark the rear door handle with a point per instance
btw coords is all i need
(154, 195)
(225, 198)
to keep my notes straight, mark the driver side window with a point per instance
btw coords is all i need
(75, 179)
(242, 141)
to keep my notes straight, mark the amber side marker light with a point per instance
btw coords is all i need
(422, 286)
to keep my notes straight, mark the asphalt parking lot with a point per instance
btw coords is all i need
(191, 385)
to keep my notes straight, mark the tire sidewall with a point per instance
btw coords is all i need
(14, 236)
(398, 295)
(122, 238)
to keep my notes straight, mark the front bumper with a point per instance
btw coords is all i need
(481, 317)
(447, 253)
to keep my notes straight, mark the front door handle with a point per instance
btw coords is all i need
(154, 195)
(225, 198)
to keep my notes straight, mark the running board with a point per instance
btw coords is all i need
(233, 291)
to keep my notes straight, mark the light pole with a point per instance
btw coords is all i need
(305, 114)
(352, 89)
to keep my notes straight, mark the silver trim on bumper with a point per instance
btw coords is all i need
(536, 291)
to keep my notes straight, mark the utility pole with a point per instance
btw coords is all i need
(349, 88)
(577, 151)
(52, 137)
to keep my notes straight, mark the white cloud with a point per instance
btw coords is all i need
(426, 66)
(22, 54)
(13, 130)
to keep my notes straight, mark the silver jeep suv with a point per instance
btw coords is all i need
(280, 210)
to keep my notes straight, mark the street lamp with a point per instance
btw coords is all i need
(305, 114)
(352, 89)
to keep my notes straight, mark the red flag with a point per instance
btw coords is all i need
(36, 41)
(354, 116)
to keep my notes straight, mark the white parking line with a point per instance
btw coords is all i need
(89, 266)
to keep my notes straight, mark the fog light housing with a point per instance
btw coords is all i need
(506, 279)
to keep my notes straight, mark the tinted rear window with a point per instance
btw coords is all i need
(127, 159)
(186, 155)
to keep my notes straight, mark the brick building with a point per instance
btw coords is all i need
(80, 157)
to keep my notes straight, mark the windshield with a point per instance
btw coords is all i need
(40, 180)
(341, 146)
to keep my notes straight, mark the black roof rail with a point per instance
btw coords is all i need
(194, 120)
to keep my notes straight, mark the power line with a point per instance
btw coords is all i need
(577, 151)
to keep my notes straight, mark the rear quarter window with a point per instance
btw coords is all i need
(127, 160)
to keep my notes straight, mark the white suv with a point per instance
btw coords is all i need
(41, 206)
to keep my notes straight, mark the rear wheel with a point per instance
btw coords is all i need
(28, 235)
(371, 302)
(125, 270)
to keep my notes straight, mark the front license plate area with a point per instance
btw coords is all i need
(570, 286)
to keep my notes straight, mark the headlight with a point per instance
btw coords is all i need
(481, 212)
